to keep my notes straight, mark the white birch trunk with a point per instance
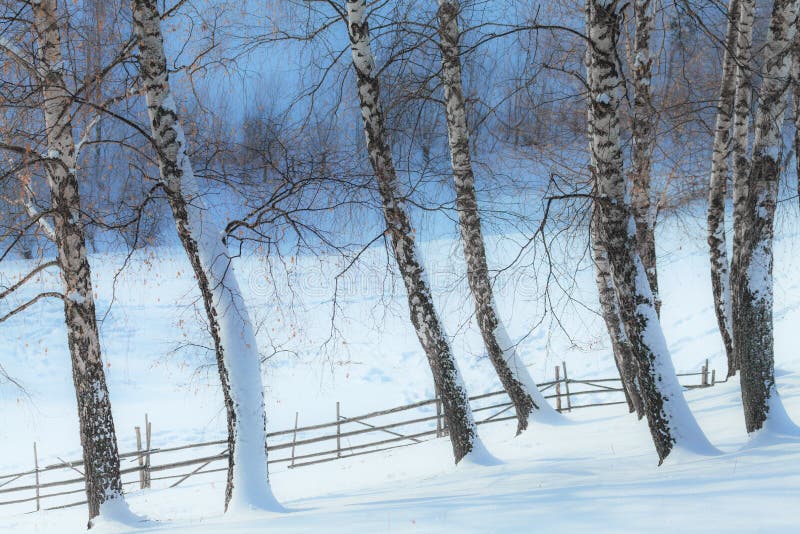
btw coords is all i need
(643, 143)
(604, 280)
(669, 418)
(720, 170)
(753, 285)
(620, 345)
(514, 376)
(238, 360)
(796, 107)
(741, 161)
(742, 100)
(98, 437)
(430, 331)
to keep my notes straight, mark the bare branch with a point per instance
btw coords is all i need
(34, 300)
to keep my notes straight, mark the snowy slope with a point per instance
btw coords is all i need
(598, 474)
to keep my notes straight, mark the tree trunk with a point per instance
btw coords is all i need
(238, 360)
(517, 382)
(642, 153)
(753, 287)
(98, 438)
(430, 331)
(741, 162)
(623, 353)
(717, 241)
(606, 292)
(796, 107)
(742, 99)
(669, 418)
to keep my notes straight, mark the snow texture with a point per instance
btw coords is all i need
(598, 474)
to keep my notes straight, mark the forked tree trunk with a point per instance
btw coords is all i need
(720, 170)
(606, 292)
(752, 322)
(98, 438)
(429, 329)
(238, 360)
(669, 418)
(643, 142)
(514, 376)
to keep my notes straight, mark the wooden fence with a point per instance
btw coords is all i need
(345, 437)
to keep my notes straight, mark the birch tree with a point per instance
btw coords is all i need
(430, 331)
(606, 291)
(98, 437)
(753, 339)
(796, 107)
(514, 376)
(620, 345)
(238, 360)
(741, 161)
(643, 143)
(720, 171)
(742, 100)
(669, 418)
(604, 280)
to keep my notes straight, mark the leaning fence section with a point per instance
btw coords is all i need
(61, 484)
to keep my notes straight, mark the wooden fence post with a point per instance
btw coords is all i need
(558, 389)
(338, 432)
(438, 417)
(36, 471)
(139, 456)
(144, 446)
(148, 432)
(294, 435)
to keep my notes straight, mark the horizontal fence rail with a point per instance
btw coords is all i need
(345, 437)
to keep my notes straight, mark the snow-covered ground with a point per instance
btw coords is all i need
(598, 473)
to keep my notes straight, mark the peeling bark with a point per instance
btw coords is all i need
(753, 340)
(720, 170)
(98, 437)
(669, 418)
(513, 375)
(238, 360)
(428, 326)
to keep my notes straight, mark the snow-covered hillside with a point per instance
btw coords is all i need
(597, 474)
